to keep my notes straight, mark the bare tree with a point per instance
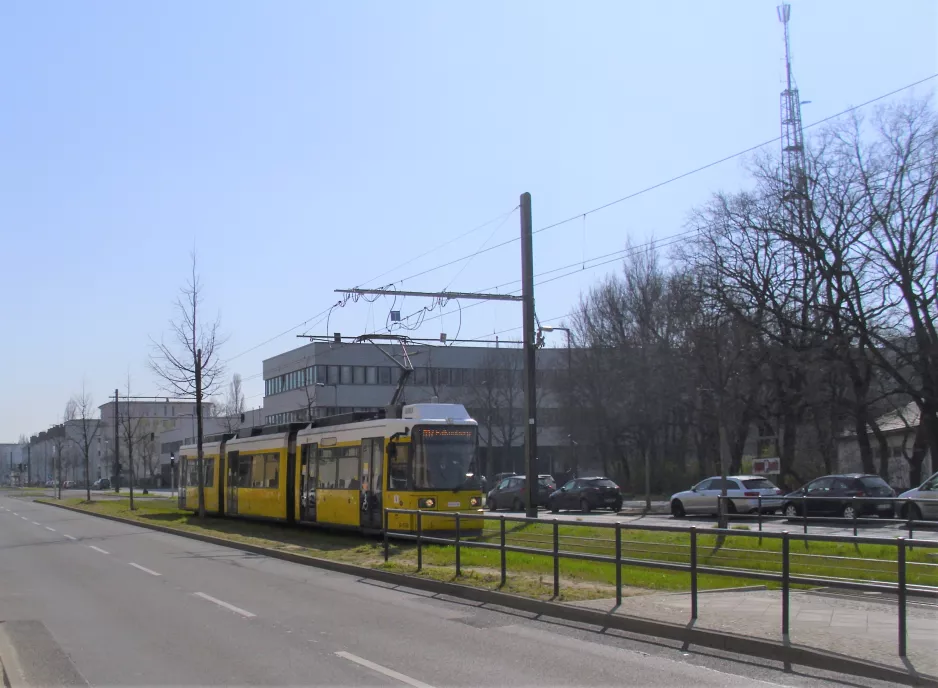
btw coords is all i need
(131, 431)
(189, 365)
(234, 404)
(88, 427)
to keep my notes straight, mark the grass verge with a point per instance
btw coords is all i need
(531, 574)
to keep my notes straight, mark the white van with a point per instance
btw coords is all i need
(926, 500)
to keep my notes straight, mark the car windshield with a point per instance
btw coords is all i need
(601, 482)
(546, 482)
(874, 483)
(443, 455)
(759, 484)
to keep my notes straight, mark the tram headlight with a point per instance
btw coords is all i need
(474, 501)
(426, 503)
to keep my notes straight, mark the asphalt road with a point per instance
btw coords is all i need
(119, 605)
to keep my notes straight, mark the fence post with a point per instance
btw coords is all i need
(908, 515)
(785, 582)
(419, 540)
(458, 567)
(618, 564)
(693, 573)
(854, 499)
(502, 548)
(556, 558)
(901, 560)
(760, 518)
(386, 546)
(804, 513)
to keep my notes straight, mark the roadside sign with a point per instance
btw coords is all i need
(767, 466)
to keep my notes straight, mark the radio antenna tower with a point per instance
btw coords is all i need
(793, 154)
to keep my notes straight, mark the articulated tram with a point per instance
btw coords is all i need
(345, 470)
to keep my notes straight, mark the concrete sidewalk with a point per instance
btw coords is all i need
(853, 626)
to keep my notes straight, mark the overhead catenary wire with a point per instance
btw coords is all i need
(599, 208)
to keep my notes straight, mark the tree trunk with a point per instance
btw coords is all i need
(87, 475)
(883, 445)
(919, 448)
(198, 413)
(861, 427)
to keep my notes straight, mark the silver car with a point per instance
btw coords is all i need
(925, 504)
(743, 491)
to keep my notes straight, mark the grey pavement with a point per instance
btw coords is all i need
(129, 606)
(853, 625)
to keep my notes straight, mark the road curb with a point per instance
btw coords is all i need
(783, 651)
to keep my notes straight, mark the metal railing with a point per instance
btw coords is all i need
(785, 578)
(725, 513)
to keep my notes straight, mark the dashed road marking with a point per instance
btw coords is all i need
(403, 678)
(144, 569)
(52, 529)
(98, 549)
(221, 603)
(16, 514)
(68, 536)
(35, 523)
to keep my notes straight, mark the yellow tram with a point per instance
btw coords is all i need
(345, 470)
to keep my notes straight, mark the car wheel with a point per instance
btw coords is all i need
(493, 504)
(730, 506)
(912, 512)
(791, 511)
(677, 509)
(617, 507)
(584, 506)
(517, 505)
(849, 512)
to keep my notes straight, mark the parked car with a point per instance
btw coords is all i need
(587, 494)
(501, 476)
(50, 483)
(833, 495)
(69, 485)
(743, 492)
(101, 484)
(925, 504)
(511, 493)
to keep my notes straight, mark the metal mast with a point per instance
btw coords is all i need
(793, 154)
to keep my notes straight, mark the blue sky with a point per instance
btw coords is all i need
(306, 146)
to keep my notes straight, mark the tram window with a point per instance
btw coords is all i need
(384, 375)
(399, 469)
(272, 470)
(371, 375)
(244, 471)
(358, 375)
(327, 469)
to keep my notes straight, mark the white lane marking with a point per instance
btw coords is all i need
(144, 569)
(68, 536)
(35, 523)
(16, 514)
(52, 529)
(403, 678)
(220, 603)
(24, 518)
(98, 549)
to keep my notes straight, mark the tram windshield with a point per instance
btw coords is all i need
(443, 456)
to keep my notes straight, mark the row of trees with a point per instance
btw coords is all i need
(803, 307)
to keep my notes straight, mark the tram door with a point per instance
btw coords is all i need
(308, 478)
(372, 475)
(231, 499)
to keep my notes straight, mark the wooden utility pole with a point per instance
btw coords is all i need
(529, 345)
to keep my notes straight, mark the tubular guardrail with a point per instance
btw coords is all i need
(901, 588)
(778, 502)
